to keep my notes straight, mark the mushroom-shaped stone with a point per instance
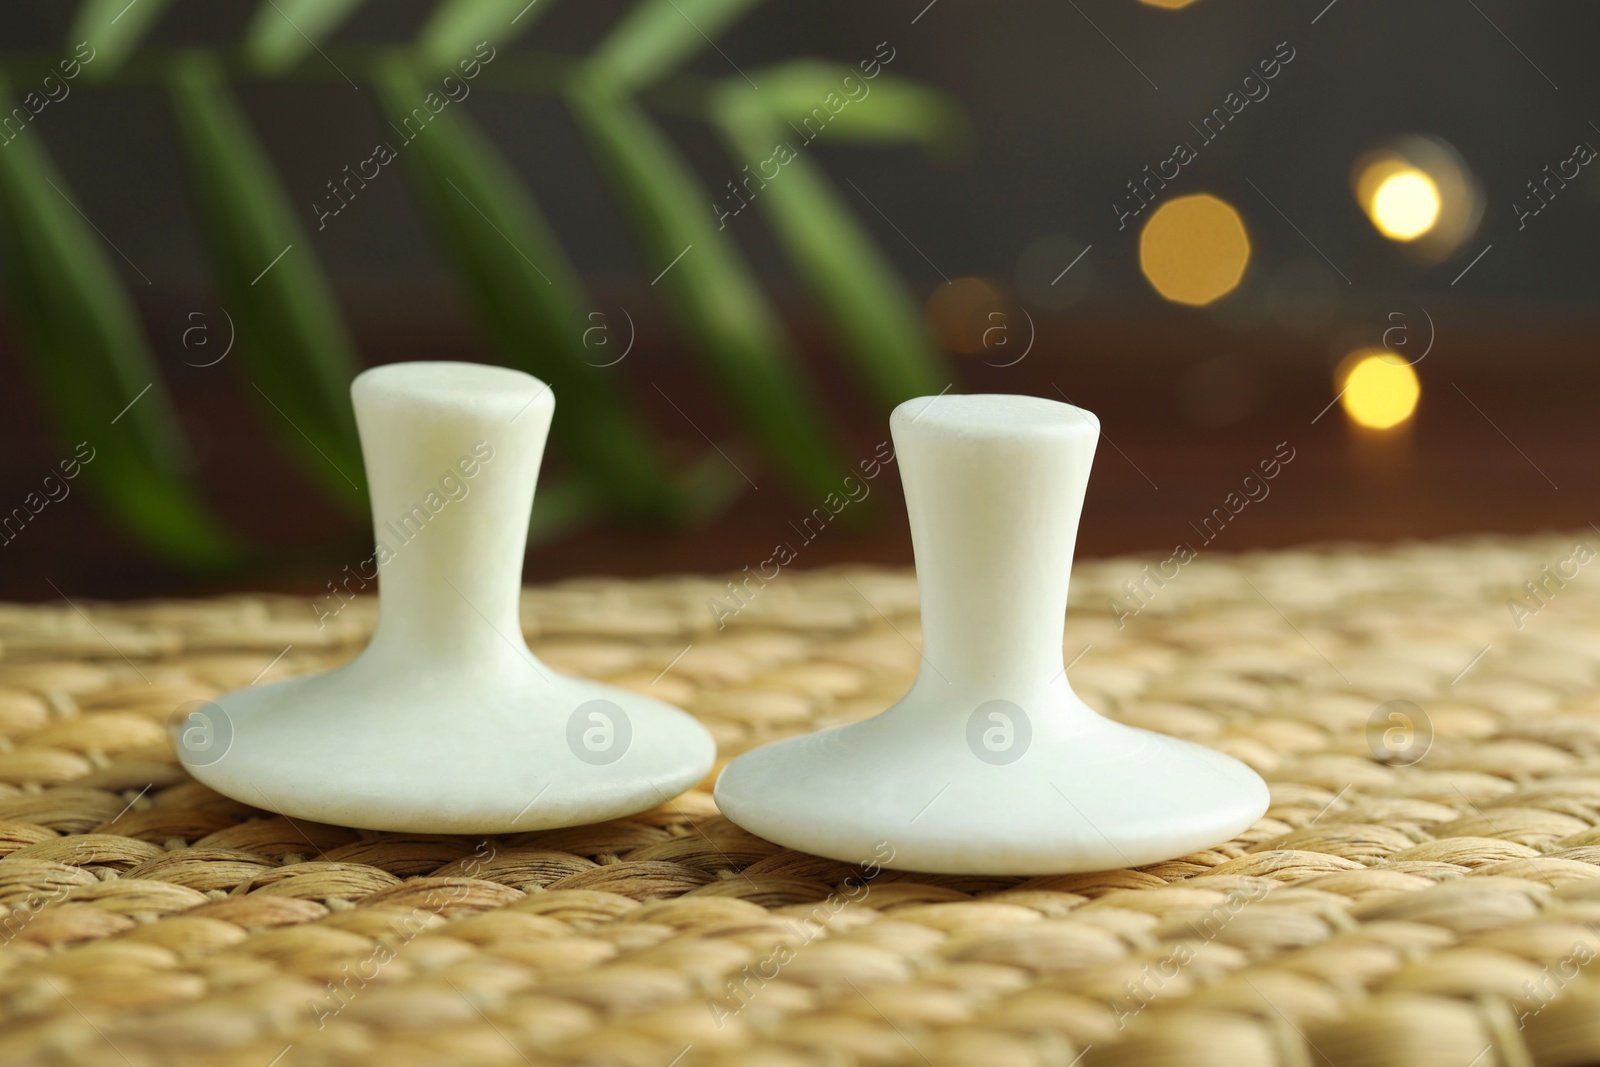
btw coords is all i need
(446, 722)
(991, 764)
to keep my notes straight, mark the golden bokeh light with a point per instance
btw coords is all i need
(1378, 389)
(1418, 192)
(1194, 249)
(961, 313)
(1405, 205)
(1171, 5)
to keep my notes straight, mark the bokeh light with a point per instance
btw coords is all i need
(1378, 389)
(1172, 5)
(1405, 205)
(961, 312)
(1417, 191)
(1194, 249)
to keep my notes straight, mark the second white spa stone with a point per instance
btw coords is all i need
(991, 764)
(446, 722)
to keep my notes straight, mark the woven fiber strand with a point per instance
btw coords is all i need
(1441, 914)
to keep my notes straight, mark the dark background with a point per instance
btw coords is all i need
(1060, 118)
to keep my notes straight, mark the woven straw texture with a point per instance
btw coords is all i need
(1402, 911)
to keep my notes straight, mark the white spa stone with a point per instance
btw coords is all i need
(991, 764)
(446, 722)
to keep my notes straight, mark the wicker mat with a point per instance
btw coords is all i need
(1424, 891)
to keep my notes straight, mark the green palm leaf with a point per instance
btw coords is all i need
(94, 365)
(293, 348)
(113, 28)
(656, 36)
(457, 27)
(282, 32)
(709, 285)
(873, 313)
(527, 293)
(842, 103)
(290, 335)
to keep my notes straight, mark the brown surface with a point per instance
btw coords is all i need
(1432, 915)
(1457, 469)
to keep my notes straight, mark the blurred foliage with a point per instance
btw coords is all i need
(296, 353)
